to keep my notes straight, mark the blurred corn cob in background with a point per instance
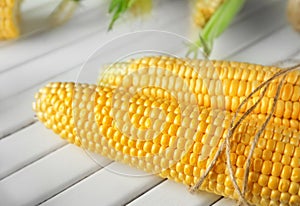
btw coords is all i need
(9, 19)
(293, 13)
(203, 10)
(63, 12)
(94, 117)
(10, 16)
(137, 7)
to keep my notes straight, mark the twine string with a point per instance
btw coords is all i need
(258, 134)
(233, 127)
(230, 133)
(227, 140)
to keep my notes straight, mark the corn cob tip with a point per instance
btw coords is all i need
(53, 103)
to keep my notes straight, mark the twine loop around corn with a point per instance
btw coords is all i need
(233, 126)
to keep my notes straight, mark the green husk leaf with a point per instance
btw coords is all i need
(113, 5)
(117, 7)
(221, 20)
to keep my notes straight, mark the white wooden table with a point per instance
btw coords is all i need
(37, 167)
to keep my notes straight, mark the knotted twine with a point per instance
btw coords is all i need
(233, 126)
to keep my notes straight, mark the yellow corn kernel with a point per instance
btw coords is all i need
(240, 161)
(283, 185)
(267, 167)
(286, 172)
(275, 195)
(267, 155)
(263, 180)
(294, 200)
(284, 198)
(295, 163)
(294, 188)
(286, 160)
(276, 169)
(256, 189)
(273, 183)
(296, 175)
(265, 193)
(289, 149)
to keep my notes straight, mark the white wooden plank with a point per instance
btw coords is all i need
(252, 6)
(243, 34)
(172, 193)
(28, 5)
(26, 146)
(46, 177)
(296, 56)
(276, 47)
(105, 188)
(16, 112)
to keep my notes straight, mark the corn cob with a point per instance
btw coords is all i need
(94, 117)
(9, 19)
(293, 13)
(203, 10)
(237, 81)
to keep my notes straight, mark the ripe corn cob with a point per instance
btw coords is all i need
(237, 81)
(9, 19)
(203, 10)
(97, 121)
